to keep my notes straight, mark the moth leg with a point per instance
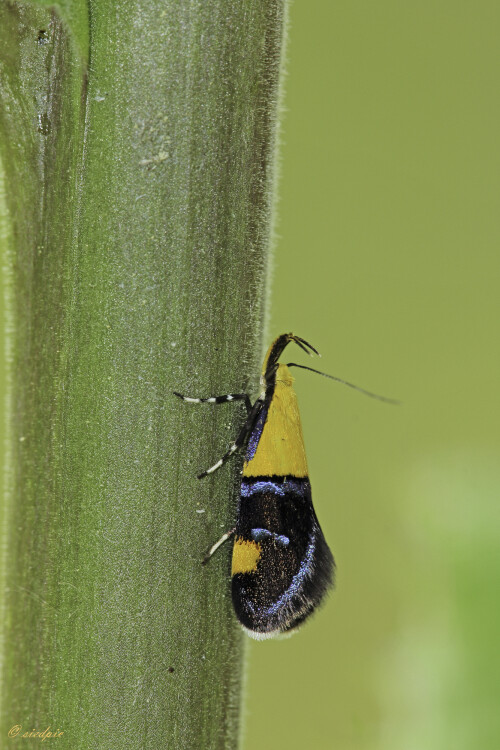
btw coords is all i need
(219, 399)
(240, 440)
(216, 546)
(235, 446)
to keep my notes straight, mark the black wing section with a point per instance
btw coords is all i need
(295, 567)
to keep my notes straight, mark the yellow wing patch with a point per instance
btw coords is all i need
(246, 555)
(281, 446)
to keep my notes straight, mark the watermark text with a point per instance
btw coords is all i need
(40, 734)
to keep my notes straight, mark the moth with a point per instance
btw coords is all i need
(281, 563)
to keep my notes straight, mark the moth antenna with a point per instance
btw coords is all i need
(350, 385)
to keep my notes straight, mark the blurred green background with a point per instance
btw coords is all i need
(387, 260)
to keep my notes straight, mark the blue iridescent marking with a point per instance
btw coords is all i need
(249, 488)
(255, 435)
(259, 534)
(297, 580)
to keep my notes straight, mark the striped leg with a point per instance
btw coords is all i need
(240, 440)
(219, 399)
(216, 546)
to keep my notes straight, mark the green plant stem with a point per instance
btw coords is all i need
(135, 234)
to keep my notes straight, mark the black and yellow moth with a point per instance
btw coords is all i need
(281, 563)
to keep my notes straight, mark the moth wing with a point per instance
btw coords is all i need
(288, 565)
